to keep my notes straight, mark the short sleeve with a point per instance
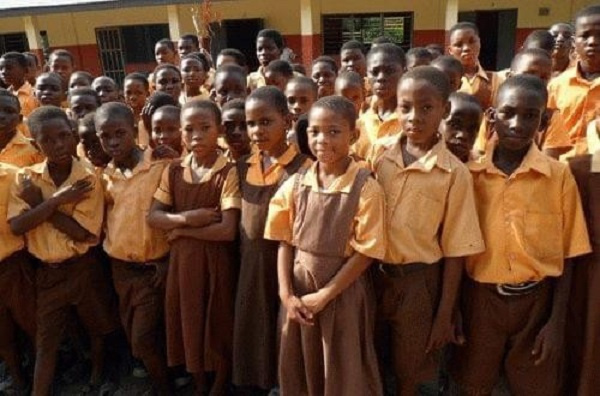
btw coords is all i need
(369, 226)
(231, 197)
(557, 135)
(16, 205)
(576, 239)
(280, 219)
(163, 192)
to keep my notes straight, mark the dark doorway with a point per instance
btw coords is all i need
(498, 34)
(240, 34)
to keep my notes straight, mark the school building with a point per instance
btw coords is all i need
(114, 37)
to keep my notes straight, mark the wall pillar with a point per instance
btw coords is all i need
(174, 22)
(36, 44)
(310, 30)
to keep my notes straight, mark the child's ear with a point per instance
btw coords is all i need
(213, 95)
(355, 135)
(490, 115)
(447, 109)
(546, 116)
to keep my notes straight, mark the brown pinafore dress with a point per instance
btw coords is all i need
(200, 284)
(257, 300)
(583, 331)
(335, 356)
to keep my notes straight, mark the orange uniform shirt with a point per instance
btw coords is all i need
(128, 198)
(45, 241)
(20, 152)
(367, 236)
(372, 128)
(11, 243)
(532, 220)
(26, 98)
(259, 177)
(430, 205)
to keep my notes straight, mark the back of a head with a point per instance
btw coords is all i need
(16, 57)
(272, 96)
(114, 110)
(280, 67)
(272, 34)
(433, 76)
(236, 54)
(448, 62)
(32, 57)
(353, 45)
(525, 83)
(541, 39)
(41, 115)
(396, 53)
(338, 105)
(5, 93)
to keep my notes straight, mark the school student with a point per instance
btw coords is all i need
(166, 132)
(136, 90)
(48, 90)
(82, 101)
(62, 63)
(461, 126)
(324, 72)
(418, 56)
(563, 47)
(194, 68)
(167, 79)
(230, 83)
(453, 69)
(269, 46)
(107, 89)
(278, 73)
(144, 126)
(235, 130)
(89, 146)
(13, 70)
(80, 79)
(164, 52)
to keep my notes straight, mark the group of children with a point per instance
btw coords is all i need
(390, 226)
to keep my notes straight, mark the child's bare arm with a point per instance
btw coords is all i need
(223, 230)
(161, 217)
(67, 225)
(295, 308)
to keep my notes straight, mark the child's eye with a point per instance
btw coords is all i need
(265, 122)
(333, 132)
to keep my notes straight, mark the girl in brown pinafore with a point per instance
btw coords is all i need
(329, 220)
(198, 201)
(257, 305)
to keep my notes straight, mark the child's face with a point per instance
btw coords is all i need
(107, 90)
(56, 141)
(354, 60)
(384, 74)
(135, 94)
(517, 117)
(460, 128)
(421, 108)
(200, 131)
(276, 80)
(353, 92)
(92, 147)
(192, 73)
(12, 73)
(185, 46)
(266, 51)
(454, 76)
(534, 65)
(324, 76)
(117, 137)
(48, 90)
(10, 115)
(168, 81)
(587, 42)
(563, 39)
(300, 98)
(236, 131)
(465, 46)
(62, 66)
(266, 126)
(166, 130)
(78, 81)
(329, 135)
(82, 104)
(164, 54)
(229, 86)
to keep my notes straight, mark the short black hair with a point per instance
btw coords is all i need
(338, 105)
(42, 115)
(299, 68)
(84, 74)
(159, 99)
(353, 45)
(62, 53)
(328, 60)
(467, 98)
(106, 78)
(138, 77)
(538, 52)
(31, 55)
(166, 66)
(200, 57)
(541, 39)
(351, 76)
(392, 50)
(191, 37)
(231, 69)
(16, 57)
(236, 54)
(114, 110)
(7, 94)
(587, 11)
(84, 91)
(171, 110)
(272, 96)
(527, 83)
(432, 75)
(420, 53)
(272, 34)
(204, 105)
(50, 74)
(303, 80)
(237, 104)
(87, 120)
(382, 40)
(463, 26)
(448, 62)
(281, 67)
(566, 24)
(166, 42)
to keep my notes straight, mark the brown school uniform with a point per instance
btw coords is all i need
(200, 283)
(483, 85)
(532, 221)
(257, 299)
(583, 332)
(326, 227)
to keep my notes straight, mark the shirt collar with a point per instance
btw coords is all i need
(288, 155)
(219, 164)
(575, 77)
(534, 160)
(78, 171)
(18, 140)
(437, 156)
(25, 89)
(143, 165)
(342, 183)
(4, 167)
(480, 73)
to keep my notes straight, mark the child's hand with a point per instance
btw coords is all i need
(146, 115)
(30, 193)
(73, 193)
(174, 234)
(160, 276)
(445, 331)
(297, 311)
(547, 344)
(164, 152)
(315, 302)
(202, 217)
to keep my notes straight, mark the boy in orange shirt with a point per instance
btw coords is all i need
(62, 63)
(13, 70)
(515, 296)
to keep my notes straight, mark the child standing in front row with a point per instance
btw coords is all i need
(516, 292)
(198, 203)
(329, 222)
(431, 227)
(257, 303)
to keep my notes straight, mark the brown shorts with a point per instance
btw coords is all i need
(141, 306)
(78, 283)
(500, 332)
(17, 298)
(407, 303)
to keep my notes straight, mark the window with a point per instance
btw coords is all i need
(139, 40)
(13, 42)
(339, 28)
